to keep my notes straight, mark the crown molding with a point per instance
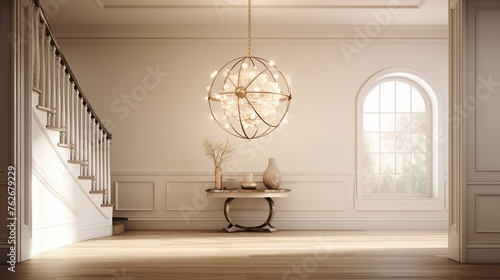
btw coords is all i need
(294, 4)
(203, 32)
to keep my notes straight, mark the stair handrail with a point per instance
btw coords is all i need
(68, 70)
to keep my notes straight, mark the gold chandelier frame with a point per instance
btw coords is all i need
(249, 96)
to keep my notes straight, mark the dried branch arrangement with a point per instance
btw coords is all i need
(218, 151)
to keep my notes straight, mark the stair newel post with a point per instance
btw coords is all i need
(108, 169)
(92, 153)
(103, 169)
(101, 159)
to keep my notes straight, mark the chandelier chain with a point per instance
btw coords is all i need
(249, 28)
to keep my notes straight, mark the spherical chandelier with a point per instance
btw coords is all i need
(249, 96)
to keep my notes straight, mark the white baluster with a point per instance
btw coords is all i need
(54, 69)
(58, 93)
(72, 119)
(100, 147)
(67, 111)
(89, 144)
(84, 140)
(78, 127)
(36, 50)
(64, 105)
(93, 153)
(48, 90)
(43, 69)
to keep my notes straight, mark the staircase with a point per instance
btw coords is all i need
(71, 150)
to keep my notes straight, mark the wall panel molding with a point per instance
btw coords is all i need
(134, 196)
(486, 205)
(317, 201)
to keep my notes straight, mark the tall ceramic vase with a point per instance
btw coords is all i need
(272, 175)
(218, 178)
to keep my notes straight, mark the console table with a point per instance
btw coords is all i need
(230, 195)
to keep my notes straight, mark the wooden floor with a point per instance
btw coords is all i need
(281, 255)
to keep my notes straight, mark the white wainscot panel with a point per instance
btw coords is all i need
(134, 196)
(190, 196)
(321, 196)
(487, 205)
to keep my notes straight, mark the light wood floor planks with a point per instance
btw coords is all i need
(281, 255)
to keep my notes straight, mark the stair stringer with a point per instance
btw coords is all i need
(65, 211)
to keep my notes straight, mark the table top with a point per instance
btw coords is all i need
(248, 193)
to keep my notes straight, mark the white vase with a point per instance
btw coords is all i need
(272, 175)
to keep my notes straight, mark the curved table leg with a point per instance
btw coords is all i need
(233, 227)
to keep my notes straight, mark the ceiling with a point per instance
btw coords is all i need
(233, 13)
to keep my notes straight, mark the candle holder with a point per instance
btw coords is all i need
(248, 183)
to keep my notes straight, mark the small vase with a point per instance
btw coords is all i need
(218, 178)
(272, 175)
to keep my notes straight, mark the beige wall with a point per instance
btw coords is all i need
(157, 156)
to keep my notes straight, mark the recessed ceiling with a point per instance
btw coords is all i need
(233, 13)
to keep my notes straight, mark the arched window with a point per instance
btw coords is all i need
(397, 155)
